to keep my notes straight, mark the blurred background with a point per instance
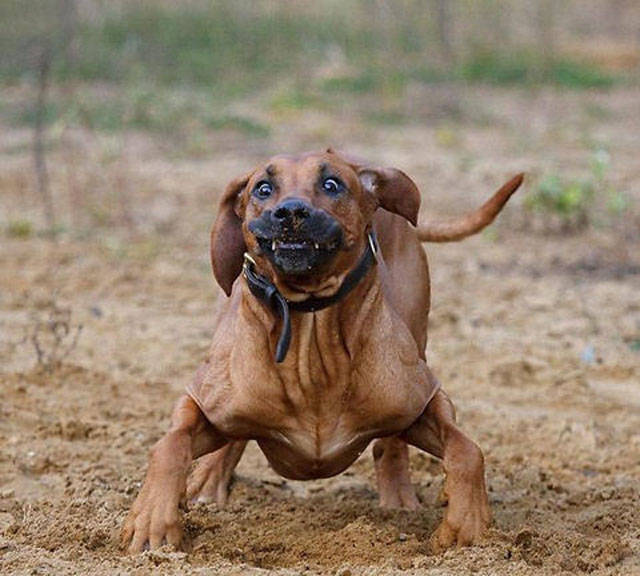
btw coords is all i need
(82, 79)
(121, 123)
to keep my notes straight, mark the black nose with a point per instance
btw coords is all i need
(291, 211)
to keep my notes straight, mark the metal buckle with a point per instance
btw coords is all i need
(373, 243)
(248, 261)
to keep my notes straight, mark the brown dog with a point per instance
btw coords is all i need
(320, 347)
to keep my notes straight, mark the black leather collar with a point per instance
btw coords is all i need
(265, 291)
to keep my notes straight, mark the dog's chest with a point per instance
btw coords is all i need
(322, 397)
(309, 390)
(318, 374)
(342, 384)
(329, 406)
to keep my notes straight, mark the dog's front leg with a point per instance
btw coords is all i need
(154, 517)
(467, 515)
(210, 479)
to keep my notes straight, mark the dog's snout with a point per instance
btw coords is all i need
(291, 211)
(298, 238)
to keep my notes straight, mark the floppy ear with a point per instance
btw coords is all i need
(393, 190)
(227, 242)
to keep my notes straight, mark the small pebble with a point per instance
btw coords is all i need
(588, 355)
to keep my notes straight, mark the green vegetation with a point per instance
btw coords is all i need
(293, 98)
(138, 107)
(239, 124)
(20, 229)
(162, 68)
(233, 52)
(573, 201)
(222, 45)
(568, 199)
(523, 67)
(231, 48)
(384, 117)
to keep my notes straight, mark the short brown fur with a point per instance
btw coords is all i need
(356, 372)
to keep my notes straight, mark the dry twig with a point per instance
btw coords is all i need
(55, 337)
(44, 68)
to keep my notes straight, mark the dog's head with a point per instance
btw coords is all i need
(304, 219)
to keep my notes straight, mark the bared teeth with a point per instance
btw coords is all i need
(277, 245)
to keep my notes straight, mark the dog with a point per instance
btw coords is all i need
(319, 346)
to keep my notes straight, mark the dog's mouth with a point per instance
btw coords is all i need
(298, 252)
(299, 256)
(285, 245)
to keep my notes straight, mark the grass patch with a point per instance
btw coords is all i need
(26, 113)
(356, 84)
(239, 124)
(20, 229)
(573, 74)
(429, 74)
(236, 48)
(521, 67)
(139, 107)
(387, 118)
(220, 45)
(577, 203)
(293, 99)
(366, 82)
(166, 68)
(568, 199)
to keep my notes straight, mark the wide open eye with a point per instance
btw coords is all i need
(263, 190)
(332, 186)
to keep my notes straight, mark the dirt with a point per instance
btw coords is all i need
(535, 333)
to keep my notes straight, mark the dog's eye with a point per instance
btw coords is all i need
(332, 185)
(263, 190)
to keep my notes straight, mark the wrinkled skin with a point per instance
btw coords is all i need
(356, 372)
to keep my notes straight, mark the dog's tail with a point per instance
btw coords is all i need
(463, 226)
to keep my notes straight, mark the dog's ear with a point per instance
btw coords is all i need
(393, 190)
(227, 242)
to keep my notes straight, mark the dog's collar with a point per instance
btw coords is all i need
(265, 291)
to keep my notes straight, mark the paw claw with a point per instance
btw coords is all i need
(466, 530)
(153, 520)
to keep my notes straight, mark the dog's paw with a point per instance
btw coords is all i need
(464, 523)
(400, 498)
(154, 520)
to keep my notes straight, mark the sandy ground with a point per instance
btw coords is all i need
(534, 333)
